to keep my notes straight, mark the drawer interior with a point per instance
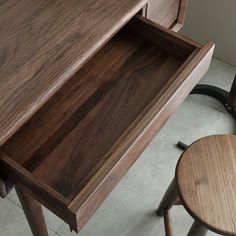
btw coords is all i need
(114, 96)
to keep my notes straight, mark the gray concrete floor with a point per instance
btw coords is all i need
(128, 211)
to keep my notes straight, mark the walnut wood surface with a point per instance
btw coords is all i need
(78, 146)
(164, 12)
(182, 11)
(205, 177)
(178, 24)
(133, 84)
(168, 13)
(43, 43)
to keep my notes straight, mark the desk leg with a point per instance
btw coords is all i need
(5, 187)
(33, 212)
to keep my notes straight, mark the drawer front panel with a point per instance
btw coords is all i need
(164, 12)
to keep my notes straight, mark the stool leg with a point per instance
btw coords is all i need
(33, 212)
(169, 199)
(197, 229)
(167, 222)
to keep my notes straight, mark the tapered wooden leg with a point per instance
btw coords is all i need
(197, 229)
(231, 101)
(33, 212)
(167, 222)
(169, 199)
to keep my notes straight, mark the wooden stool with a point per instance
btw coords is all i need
(205, 183)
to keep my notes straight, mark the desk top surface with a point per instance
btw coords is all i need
(43, 43)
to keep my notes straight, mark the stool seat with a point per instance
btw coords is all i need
(206, 182)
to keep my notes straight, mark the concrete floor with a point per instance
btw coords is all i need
(128, 211)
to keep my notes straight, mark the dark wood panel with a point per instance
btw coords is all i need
(163, 37)
(77, 147)
(92, 121)
(182, 11)
(168, 13)
(132, 143)
(181, 16)
(69, 105)
(74, 101)
(163, 12)
(43, 43)
(141, 76)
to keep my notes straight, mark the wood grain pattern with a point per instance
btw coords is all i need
(131, 144)
(205, 177)
(163, 12)
(178, 24)
(168, 13)
(182, 11)
(81, 93)
(43, 43)
(84, 148)
(95, 127)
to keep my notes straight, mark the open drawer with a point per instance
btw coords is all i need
(77, 147)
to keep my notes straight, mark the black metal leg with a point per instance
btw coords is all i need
(182, 146)
(212, 91)
(219, 94)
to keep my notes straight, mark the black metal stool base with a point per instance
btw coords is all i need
(182, 146)
(219, 94)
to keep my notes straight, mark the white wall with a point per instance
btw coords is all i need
(214, 20)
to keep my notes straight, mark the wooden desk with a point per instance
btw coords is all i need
(81, 98)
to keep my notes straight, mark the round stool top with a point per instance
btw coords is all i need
(206, 182)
